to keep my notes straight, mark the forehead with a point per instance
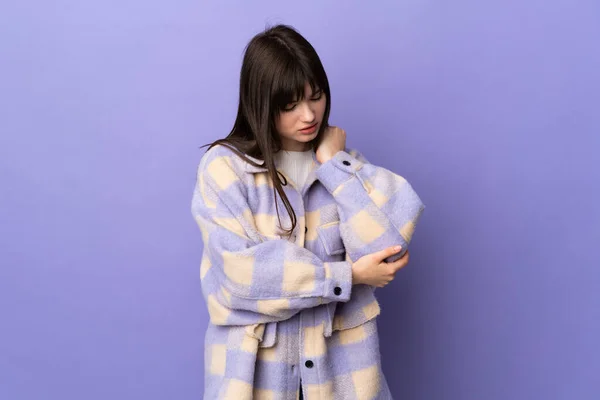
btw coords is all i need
(293, 88)
(307, 93)
(308, 88)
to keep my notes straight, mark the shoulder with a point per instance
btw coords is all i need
(222, 165)
(220, 154)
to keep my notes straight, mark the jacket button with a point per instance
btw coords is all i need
(346, 162)
(309, 364)
(337, 290)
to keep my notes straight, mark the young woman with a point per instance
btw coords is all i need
(290, 293)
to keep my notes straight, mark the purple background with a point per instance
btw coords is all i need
(490, 109)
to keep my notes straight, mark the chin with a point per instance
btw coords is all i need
(307, 138)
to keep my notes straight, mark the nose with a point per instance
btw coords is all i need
(308, 114)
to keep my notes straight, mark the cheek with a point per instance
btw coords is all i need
(321, 107)
(284, 123)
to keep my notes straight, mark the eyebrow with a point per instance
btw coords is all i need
(314, 92)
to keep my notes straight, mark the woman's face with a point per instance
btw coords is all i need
(299, 122)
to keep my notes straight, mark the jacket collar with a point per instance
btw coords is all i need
(253, 169)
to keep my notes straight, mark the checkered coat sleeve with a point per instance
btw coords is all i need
(378, 208)
(246, 279)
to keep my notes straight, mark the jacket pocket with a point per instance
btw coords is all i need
(266, 334)
(331, 239)
(361, 308)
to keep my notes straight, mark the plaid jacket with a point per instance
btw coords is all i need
(284, 308)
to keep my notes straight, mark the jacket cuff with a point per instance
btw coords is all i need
(338, 276)
(337, 170)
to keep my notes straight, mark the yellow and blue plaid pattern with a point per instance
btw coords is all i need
(284, 308)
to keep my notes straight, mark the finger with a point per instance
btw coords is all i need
(385, 253)
(401, 263)
(405, 255)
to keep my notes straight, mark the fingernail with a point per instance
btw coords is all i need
(397, 248)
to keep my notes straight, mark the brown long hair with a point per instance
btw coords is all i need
(276, 66)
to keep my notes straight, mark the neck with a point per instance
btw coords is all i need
(293, 145)
(296, 150)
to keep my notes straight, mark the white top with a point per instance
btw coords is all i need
(295, 165)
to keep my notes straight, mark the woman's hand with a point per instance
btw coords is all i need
(371, 270)
(334, 140)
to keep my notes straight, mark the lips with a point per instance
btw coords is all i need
(309, 129)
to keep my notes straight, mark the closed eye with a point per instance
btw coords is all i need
(317, 96)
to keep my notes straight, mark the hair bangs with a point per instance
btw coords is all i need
(289, 84)
(277, 65)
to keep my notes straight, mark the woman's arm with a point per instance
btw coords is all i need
(246, 280)
(377, 207)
